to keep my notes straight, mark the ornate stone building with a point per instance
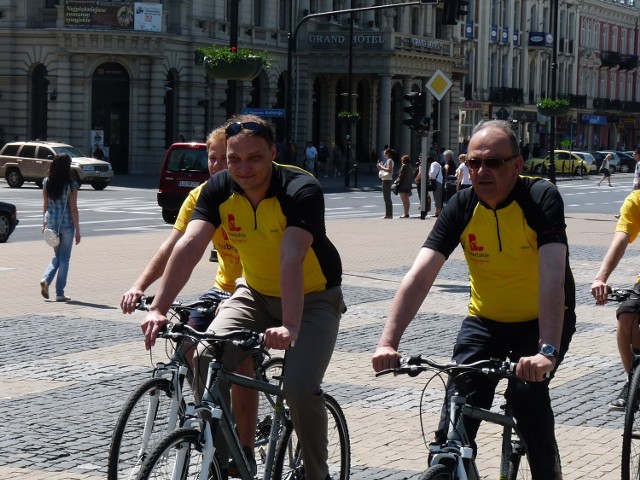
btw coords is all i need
(128, 70)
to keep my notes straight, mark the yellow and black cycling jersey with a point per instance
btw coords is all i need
(294, 199)
(501, 247)
(629, 221)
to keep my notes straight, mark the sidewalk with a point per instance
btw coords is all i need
(67, 368)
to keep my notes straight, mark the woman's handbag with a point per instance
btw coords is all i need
(431, 185)
(394, 188)
(51, 237)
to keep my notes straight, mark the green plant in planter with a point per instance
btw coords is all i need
(232, 63)
(553, 106)
(349, 116)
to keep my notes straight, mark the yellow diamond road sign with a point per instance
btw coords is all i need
(439, 84)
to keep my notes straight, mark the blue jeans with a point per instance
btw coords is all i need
(60, 261)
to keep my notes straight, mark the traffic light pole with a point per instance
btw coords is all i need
(424, 174)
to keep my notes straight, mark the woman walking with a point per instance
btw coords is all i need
(436, 173)
(60, 214)
(606, 169)
(385, 172)
(405, 183)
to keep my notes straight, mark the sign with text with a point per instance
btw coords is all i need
(264, 112)
(96, 14)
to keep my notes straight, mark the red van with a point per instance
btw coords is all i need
(185, 166)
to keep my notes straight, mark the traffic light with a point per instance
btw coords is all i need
(416, 111)
(453, 11)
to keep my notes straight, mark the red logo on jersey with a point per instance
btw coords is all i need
(473, 246)
(224, 234)
(232, 223)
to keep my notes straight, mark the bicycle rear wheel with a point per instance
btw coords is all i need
(144, 414)
(288, 463)
(438, 472)
(178, 455)
(631, 436)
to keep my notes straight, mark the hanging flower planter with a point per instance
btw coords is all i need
(231, 63)
(349, 117)
(553, 107)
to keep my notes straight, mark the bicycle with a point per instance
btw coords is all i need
(455, 459)
(157, 406)
(189, 452)
(630, 468)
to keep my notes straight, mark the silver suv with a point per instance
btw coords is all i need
(29, 162)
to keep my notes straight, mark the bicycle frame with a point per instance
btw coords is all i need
(457, 437)
(214, 404)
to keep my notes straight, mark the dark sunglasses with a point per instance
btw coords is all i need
(254, 127)
(491, 162)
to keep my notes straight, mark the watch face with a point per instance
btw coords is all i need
(548, 350)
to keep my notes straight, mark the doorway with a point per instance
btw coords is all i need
(110, 113)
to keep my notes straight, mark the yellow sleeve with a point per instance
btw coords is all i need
(186, 210)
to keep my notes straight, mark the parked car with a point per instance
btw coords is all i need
(8, 220)
(565, 162)
(30, 161)
(185, 166)
(620, 161)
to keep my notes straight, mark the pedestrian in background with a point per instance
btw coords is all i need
(60, 213)
(436, 173)
(310, 154)
(405, 183)
(636, 176)
(605, 169)
(337, 160)
(322, 160)
(462, 173)
(385, 172)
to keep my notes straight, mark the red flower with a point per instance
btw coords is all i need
(234, 49)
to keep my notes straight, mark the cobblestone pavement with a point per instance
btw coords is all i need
(66, 369)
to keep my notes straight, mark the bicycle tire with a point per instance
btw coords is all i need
(438, 472)
(288, 461)
(125, 451)
(631, 436)
(161, 461)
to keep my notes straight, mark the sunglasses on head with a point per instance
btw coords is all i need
(491, 162)
(254, 127)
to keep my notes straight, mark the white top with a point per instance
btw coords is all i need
(463, 171)
(435, 171)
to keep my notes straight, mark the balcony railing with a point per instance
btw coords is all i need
(606, 104)
(609, 58)
(628, 62)
(507, 95)
(576, 101)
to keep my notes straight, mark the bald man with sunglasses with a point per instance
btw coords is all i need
(274, 216)
(522, 293)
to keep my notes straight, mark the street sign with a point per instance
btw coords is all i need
(439, 84)
(264, 112)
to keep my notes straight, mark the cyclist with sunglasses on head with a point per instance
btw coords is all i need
(513, 234)
(274, 216)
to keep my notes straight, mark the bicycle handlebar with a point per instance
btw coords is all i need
(622, 294)
(183, 310)
(246, 339)
(415, 364)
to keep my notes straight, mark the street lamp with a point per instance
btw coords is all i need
(554, 84)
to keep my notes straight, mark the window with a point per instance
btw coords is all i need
(28, 151)
(45, 153)
(258, 13)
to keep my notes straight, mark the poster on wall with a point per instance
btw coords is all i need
(96, 14)
(96, 146)
(148, 17)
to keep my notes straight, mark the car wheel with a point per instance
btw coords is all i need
(14, 178)
(539, 169)
(580, 170)
(624, 168)
(5, 227)
(39, 183)
(99, 185)
(169, 216)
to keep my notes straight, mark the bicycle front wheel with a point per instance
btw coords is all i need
(178, 455)
(143, 420)
(631, 435)
(438, 472)
(270, 371)
(288, 462)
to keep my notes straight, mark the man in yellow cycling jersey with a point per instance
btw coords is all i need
(522, 293)
(274, 216)
(229, 270)
(628, 313)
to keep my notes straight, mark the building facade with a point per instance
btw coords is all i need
(508, 57)
(126, 74)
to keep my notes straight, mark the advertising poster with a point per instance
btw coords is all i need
(96, 14)
(148, 17)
